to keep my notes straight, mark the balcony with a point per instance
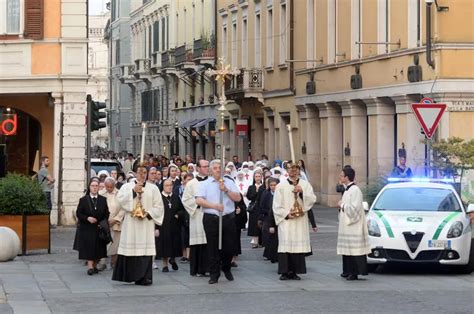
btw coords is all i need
(247, 84)
(142, 69)
(203, 52)
(184, 57)
(156, 63)
(127, 74)
(168, 62)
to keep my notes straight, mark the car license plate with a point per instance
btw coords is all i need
(445, 244)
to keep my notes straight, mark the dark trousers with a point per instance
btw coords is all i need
(354, 265)
(47, 196)
(216, 258)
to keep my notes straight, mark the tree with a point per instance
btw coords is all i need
(454, 156)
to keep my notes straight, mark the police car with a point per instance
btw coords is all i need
(420, 221)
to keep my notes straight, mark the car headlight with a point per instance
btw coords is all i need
(373, 227)
(455, 230)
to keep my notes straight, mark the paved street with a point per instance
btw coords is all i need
(58, 283)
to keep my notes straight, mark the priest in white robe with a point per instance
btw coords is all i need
(137, 240)
(353, 237)
(293, 232)
(198, 264)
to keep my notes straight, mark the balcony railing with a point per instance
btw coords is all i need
(203, 49)
(168, 59)
(183, 54)
(248, 81)
(127, 70)
(142, 66)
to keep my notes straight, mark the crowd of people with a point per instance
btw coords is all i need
(182, 202)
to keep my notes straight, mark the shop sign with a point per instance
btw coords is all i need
(8, 124)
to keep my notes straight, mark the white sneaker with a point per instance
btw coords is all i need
(155, 266)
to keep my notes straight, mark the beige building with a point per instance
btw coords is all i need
(343, 74)
(43, 81)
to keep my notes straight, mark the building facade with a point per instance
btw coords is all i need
(172, 44)
(43, 81)
(343, 74)
(117, 34)
(98, 61)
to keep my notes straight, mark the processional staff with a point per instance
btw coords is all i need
(221, 74)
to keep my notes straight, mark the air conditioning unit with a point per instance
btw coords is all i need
(415, 74)
(356, 81)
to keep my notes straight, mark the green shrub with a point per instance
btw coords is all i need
(371, 190)
(21, 195)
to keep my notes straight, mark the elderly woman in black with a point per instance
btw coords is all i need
(93, 214)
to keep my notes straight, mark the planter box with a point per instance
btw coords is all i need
(34, 231)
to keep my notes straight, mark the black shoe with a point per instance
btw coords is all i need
(233, 264)
(174, 265)
(165, 269)
(352, 277)
(144, 282)
(212, 281)
(295, 277)
(184, 260)
(96, 271)
(284, 277)
(344, 275)
(90, 271)
(228, 275)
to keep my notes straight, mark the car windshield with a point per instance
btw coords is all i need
(418, 199)
(98, 166)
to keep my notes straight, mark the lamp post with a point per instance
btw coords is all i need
(221, 74)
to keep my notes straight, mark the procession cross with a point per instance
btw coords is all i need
(221, 74)
(241, 185)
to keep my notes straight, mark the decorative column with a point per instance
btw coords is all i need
(331, 151)
(381, 112)
(354, 115)
(58, 109)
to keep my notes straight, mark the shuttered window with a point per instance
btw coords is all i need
(147, 106)
(34, 19)
(156, 35)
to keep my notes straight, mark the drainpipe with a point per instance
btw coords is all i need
(429, 57)
(292, 65)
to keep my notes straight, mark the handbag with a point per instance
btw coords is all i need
(251, 207)
(104, 231)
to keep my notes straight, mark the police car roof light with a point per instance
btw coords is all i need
(421, 179)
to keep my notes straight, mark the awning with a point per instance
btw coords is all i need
(203, 122)
(188, 123)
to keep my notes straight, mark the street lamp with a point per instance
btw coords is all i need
(220, 75)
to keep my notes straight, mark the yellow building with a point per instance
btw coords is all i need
(43, 77)
(344, 73)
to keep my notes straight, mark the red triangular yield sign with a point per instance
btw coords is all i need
(428, 115)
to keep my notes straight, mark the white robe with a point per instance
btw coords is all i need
(293, 234)
(197, 234)
(353, 237)
(243, 187)
(138, 235)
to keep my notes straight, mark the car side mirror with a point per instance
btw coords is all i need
(470, 209)
(365, 205)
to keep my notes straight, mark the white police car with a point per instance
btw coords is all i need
(420, 221)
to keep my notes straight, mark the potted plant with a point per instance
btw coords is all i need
(23, 208)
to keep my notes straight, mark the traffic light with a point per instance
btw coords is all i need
(95, 114)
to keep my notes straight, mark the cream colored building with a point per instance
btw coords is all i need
(309, 51)
(171, 49)
(43, 80)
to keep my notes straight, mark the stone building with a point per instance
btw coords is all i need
(43, 81)
(343, 74)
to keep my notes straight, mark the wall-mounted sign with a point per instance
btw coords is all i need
(8, 124)
(241, 127)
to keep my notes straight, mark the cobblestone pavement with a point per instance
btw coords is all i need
(58, 283)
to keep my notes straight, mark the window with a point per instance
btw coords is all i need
(383, 25)
(283, 33)
(10, 17)
(147, 105)
(234, 45)
(414, 24)
(156, 36)
(163, 41)
(332, 31)
(150, 38)
(257, 47)
(117, 52)
(269, 38)
(244, 43)
(224, 42)
(355, 29)
(310, 34)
